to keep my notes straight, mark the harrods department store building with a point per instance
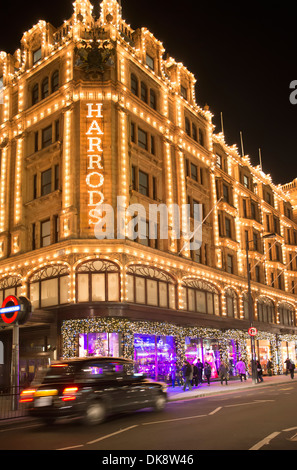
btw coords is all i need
(92, 111)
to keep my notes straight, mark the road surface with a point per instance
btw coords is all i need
(252, 419)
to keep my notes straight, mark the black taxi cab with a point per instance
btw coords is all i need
(92, 388)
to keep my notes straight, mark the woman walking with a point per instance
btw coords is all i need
(223, 373)
(259, 371)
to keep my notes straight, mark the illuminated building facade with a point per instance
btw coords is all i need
(92, 111)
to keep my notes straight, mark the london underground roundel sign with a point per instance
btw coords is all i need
(15, 309)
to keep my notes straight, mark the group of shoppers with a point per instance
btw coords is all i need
(191, 374)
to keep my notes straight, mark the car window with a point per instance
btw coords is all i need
(60, 372)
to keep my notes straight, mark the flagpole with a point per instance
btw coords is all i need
(242, 149)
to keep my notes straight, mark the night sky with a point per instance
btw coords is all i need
(243, 55)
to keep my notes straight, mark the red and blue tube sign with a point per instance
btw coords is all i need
(15, 310)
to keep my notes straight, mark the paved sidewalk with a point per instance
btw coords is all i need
(214, 388)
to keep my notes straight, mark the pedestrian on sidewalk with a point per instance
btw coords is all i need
(241, 369)
(175, 376)
(259, 372)
(200, 371)
(195, 381)
(207, 372)
(291, 369)
(269, 367)
(223, 373)
(287, 362)
(188, 375)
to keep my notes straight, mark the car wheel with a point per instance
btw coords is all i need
(160, 402)
(95, 413)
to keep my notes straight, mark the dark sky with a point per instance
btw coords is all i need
(243, 55)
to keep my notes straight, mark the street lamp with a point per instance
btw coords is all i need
(250, 307)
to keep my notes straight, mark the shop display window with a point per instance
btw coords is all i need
(207, 350)
(155, 355)
(99, 344)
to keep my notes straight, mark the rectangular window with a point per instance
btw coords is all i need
(34, 186)
(150, 62)
(36, 144)
(253, 211)
(46, 182)
(219, 161)
(225, 192)
(257, 271)
(37, 55)
(228, 227)
(184, 92)
(133, 139)
(142, 139)
(194, 173)
(155, 188)
(33, 236)
(56, 228)
(230, 264)
(57, 130)
(153, 146)
(143, 183)
(133, 177)
(45, 233)
(244, 208)
(57, 177)
(47, 136)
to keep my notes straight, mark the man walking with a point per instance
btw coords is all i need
(188, 375)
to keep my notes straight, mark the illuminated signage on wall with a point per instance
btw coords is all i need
(15, 310)
(95, 177)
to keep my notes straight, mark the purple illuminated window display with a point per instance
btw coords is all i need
(207, 350)
(155, 355)
(99, 344)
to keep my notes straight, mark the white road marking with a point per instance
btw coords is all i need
(174, 419)
(289, 429)
(255, 402)
(113, 434)
(72, 447)
(216, 410)
(20, 427)
(265, 441)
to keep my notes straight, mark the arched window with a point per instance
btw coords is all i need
(55, 82)
(200, 296)
(98, 281)
(10, 286)
(150, 286)
(245, 299)
(286, 314)
(265, 308)
(35, 94)
(49, 286)
(44, 89)
(231, 300)
(134, 84)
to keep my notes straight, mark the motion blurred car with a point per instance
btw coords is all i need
(92, 389)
